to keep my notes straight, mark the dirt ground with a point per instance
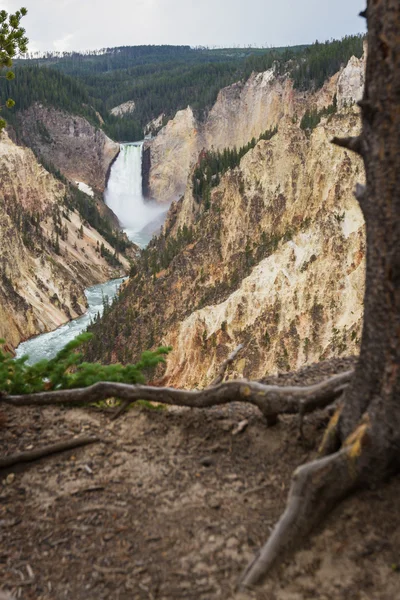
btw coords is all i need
(171, 504)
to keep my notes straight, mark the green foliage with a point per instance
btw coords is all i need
(12, 41)
(162, 250)
(67, 370)
(313, 117)
(212, 165)
(309, 66)
(111, 258)
(50, 88)
(164, 79)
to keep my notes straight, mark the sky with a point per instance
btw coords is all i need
(64, 25)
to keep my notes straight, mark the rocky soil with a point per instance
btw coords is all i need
(174, 503)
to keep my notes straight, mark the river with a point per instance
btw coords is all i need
(48, 344)
(139, 219)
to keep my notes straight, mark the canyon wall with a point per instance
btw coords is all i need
(273, 260)
(47, 255)
(275, 263)
(78, 149)
(242, 111)
(289, 208)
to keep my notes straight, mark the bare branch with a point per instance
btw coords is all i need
(368, 108)
(218, 379)
(351, 143)
(221, 373)
(29, 456)
(271, 400)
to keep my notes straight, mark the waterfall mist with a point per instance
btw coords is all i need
(140, 218)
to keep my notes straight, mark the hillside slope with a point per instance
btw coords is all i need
(68, 143)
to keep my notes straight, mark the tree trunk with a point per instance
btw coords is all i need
(363, 437)
(375, 389)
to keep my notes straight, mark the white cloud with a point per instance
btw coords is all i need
(105, 23)
(63, 43)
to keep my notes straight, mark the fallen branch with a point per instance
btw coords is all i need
(218, 379)
(271, 400)
(29, 456)
(221, 373)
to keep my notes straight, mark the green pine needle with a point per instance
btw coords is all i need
(67, 370)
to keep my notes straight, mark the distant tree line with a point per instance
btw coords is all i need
(49, 87)
(163, 79)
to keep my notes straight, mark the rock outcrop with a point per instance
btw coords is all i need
(154, 126)
(242, 111)
(172, 153)
(47, 255)
(69, 143)
(125, 108)
(351, 82)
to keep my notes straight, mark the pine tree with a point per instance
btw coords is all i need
(12, 42)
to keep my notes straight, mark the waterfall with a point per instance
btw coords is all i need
(140, 218)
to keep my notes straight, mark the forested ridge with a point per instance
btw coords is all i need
(162, 79)
(49, 87)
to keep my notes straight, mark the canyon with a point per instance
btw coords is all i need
(275, 262)
(242, 111)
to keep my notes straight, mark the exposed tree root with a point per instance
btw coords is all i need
(218, 379)
(316, 488)
(30, 456)
(271, 400)
(331, 440)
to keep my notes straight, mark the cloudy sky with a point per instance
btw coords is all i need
(91, 24)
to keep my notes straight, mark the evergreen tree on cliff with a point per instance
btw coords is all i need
(12, 42)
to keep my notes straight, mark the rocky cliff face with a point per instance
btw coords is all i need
(242, 111)
(300, 303)
(275, 260)
(172, 153)
(70, 143)
(123, 109)
(276, 263)
(47, 256)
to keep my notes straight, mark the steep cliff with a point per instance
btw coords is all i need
(48, 256)
(70, 143)
(300, 303)
(242, 111)
(272, 257)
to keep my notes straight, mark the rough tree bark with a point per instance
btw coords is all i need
(363, 438)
